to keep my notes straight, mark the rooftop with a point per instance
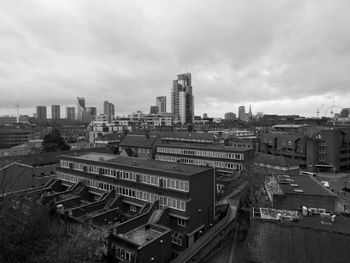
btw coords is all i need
(144, 234)
(302, 184)
(168, 167)
(133, 140)
(341, 223)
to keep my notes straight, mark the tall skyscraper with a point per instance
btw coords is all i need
(41, 114)
(108, 108)
(241, 113)
(161, 103)
(80, 108)
(182, 99)
(70, 113)
(55, 111)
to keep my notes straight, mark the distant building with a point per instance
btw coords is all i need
(241, 113)
(80, 108)
(230, 116)
(92, 111)
(41, 114)
(13, 136)
(182, 101)
(55, 111)
(108, 108)
(205, 116)
(161, 104)
(6, 119)
(70, 113)
(153, 110)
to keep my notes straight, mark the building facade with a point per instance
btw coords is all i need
(153, 110)
(182, 100)
(230, 116)
(241, 113)
(70, 113)
(161, 103)
(108, 108)
(55, 111)
(177, 189)
(41, 113)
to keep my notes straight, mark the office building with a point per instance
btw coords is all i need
(108, 108)
(182, 100)
(161, 104)
(80, 108)
(70, 113)
(41, 114)
(153, 110)
(55, 111)
(230, 116)
(241, 113)
(92, 111)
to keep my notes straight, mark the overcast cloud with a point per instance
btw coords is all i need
(282, 56)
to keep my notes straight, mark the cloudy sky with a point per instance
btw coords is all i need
(286, 57)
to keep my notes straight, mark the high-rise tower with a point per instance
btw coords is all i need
(41, 113)
(241, 113)
(182, 99)
(55, 111)
(161, 103)
(80, 108)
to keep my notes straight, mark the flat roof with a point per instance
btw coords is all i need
(143, 234)
(169, 167)
(341, 224)
(302, 184)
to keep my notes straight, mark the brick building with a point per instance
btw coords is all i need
(172, 195)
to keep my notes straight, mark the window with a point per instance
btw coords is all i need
(176, 238)
(133, 208)
(181, 222)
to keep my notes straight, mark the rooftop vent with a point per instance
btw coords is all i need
(299, 190)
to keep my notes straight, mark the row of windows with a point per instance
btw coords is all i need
(163, 182)
(167, 158)
(225, 155)
(164, 201)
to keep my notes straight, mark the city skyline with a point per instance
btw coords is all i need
(285, 57)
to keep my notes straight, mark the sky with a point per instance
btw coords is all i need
(280, 57)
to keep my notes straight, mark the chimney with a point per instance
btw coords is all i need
(147, 134)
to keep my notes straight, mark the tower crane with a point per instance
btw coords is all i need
(17, 108)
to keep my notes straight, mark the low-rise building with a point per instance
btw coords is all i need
(289, 236)
(293, 192)
(176, 189)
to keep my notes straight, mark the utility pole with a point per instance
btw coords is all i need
(17, 108)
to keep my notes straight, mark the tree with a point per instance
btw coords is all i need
(54, 142)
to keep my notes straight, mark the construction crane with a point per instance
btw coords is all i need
(17, 108)
(318, 110)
